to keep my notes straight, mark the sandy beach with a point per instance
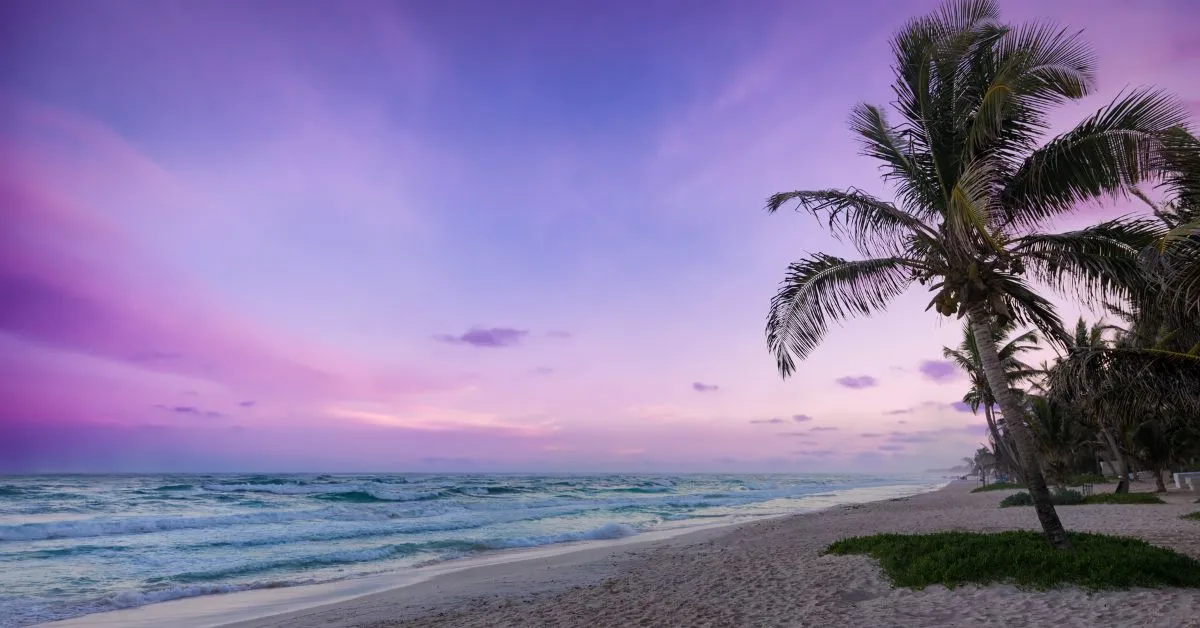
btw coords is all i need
(765, 573)
(773, 573)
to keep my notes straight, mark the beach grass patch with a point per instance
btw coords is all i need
(1059, 497)
(1195, 516)
(1023, 559)
(1068, 497)
(998, 486)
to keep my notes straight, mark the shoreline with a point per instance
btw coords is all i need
(248, 607)
(775, 573)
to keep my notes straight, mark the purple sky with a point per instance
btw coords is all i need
(460, 235)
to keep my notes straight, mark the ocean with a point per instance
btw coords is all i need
(71, 545)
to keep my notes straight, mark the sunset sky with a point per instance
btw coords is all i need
(462, 235)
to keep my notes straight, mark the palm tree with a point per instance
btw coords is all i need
(972, 189)
(1152, 389)
(1057, 434)
(966, 356)
(1160, 335)
(1108, 424)
(1160, 442)
(982, 463)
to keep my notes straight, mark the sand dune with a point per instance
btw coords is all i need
(773, 573)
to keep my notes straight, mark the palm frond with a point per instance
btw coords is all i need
(916, 186)
(873, 225)
(1125, 381)
(1094, 263)
(1031, 308)
(1119, 146)
(821, 289)
(1032, 67)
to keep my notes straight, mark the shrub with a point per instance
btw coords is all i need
(1017, 499)
(1086, 478)
(1024, 559)
(997, 486)
(1068, 497)
(1123, 498)
(1059, 497)
(1194, 516)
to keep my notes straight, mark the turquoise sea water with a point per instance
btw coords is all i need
(72, 545)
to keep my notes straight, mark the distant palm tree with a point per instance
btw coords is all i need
(966, 356)
(981, 464)
(1161, 441)
(974, 185)
(1058, 436)
(1110, 425)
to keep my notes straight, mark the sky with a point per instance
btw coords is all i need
(463, 236)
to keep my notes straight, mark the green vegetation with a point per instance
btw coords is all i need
(975, 185)
(1067, 497)
(1195, 516)
(997, 486)
(1061, 497)
(1086, 478)
(1123, 498)
(1020, 558)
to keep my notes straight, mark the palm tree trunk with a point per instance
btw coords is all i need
(1118, 460)
(981, 327)
(1159, 485)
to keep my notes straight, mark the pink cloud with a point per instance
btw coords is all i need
(939, 370)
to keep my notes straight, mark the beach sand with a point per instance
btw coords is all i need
(765, 573)
(773, 573)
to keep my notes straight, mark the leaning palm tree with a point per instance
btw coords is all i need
(966, 357)
(973, 186)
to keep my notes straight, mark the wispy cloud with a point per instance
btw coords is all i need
(917, 437)
(960, 432)
(192, 410)
(489, 337)
(774, 421)
(815, 453)
(870, 435)
(247, 404)
(957, 406)
(823, 429)
(857, 382)
(890, 448)
(702, 387)
(801, 418)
